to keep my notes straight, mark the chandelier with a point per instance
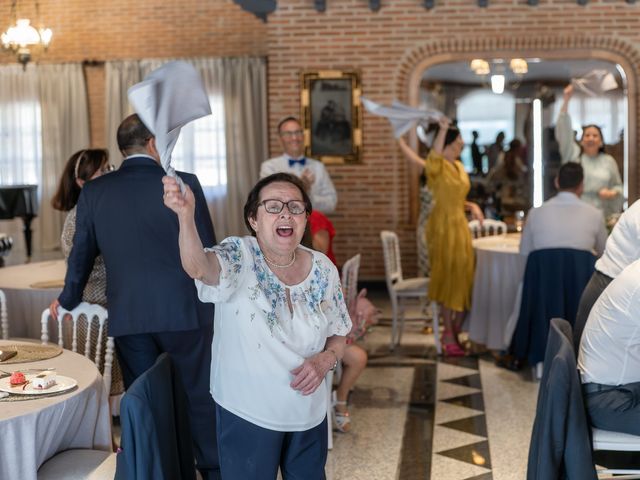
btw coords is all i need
(481, 67)
(21, 37)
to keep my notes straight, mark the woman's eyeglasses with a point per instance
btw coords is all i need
(295, 207)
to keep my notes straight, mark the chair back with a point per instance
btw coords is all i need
(350, 280)
(88, 324)
(553, 282)
(4, 319)
(488, 227)
(392, 261)
(560, 443)
(156, 437)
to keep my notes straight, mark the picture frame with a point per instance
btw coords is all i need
(332, 115)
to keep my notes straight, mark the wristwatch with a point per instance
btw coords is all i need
(335, 364)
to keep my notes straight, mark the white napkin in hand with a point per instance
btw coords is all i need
(596, 82)
(401, 116)
(166, 100)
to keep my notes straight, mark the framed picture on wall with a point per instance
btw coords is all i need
(332, 115)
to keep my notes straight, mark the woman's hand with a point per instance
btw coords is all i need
(476, 212)
(183, 205)
(607, 193)
(444, 123)
(310, 374)
(567, 93)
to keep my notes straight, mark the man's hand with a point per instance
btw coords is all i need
(53, 309)
(567, 93)
(308, 178)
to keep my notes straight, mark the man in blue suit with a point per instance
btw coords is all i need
(153, 304)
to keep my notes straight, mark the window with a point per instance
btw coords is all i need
(488, 114)
(201, 148)
(21, 140)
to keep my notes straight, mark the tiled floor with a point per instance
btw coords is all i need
(418, 416)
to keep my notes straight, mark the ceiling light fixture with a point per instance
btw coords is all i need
(497, 84)
(22, 37)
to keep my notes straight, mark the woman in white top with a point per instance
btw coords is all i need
(602, 182)
(280, 326)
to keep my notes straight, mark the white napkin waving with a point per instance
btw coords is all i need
(166, 100)
(595, 83)
(401, 116)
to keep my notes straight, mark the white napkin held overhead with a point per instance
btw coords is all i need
(401, 116)
(595, 83)
(166, 100)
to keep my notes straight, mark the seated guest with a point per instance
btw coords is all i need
(622, 248)
(609, 356)
(565, 221)
(312, 172)
(280, 326)
(362, 314)
(83, 166)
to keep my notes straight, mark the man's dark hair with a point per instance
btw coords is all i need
(570, 176)
(253, 200)
(289, 118)
(132, 133)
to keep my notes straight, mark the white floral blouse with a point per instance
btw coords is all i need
(258, 340)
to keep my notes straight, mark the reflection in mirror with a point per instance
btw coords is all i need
(507, 110)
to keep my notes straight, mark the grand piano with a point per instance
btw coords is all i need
(20, 201)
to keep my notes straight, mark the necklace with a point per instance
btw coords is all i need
(274, 264)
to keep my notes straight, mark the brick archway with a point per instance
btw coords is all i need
(615, 50)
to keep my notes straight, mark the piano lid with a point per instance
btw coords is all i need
(18, 201)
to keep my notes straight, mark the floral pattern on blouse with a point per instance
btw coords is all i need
(323, 307)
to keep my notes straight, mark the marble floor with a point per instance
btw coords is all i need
(418, 416)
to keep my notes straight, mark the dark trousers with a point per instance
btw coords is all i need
(617, 409)
(250, 452)
(191, 353)
(597, 283)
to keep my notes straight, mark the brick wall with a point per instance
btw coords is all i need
(386, 46)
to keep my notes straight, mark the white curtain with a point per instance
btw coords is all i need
(19, 126)
(241, 82)
(120, 76)
(65, 130)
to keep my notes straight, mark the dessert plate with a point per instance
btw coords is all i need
(62, 384)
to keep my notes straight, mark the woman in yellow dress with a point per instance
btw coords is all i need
(448, 237)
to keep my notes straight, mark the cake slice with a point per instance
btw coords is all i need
(43, 380)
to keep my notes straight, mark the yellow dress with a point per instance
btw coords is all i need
(448, 237)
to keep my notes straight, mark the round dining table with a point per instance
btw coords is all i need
(29, 290)
(36, 427)
(495, 301)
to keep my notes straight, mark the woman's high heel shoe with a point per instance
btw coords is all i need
(452, 349)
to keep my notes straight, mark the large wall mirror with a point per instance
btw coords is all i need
(507, 108)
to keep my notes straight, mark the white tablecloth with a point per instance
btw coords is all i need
(495, 299)
(27, 297)
(32, 431)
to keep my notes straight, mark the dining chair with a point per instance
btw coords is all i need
(560, 407)
(349, 281)
(553, 281)
(156, 437)
(401, 289)
(4, 319)
(94, 337)
(489, 227)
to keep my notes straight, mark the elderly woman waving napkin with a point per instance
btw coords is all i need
(280, 326)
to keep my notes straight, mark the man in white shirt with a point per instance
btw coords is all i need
(565, 221)
(622, 249)
(312, 172)
(609, 358)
